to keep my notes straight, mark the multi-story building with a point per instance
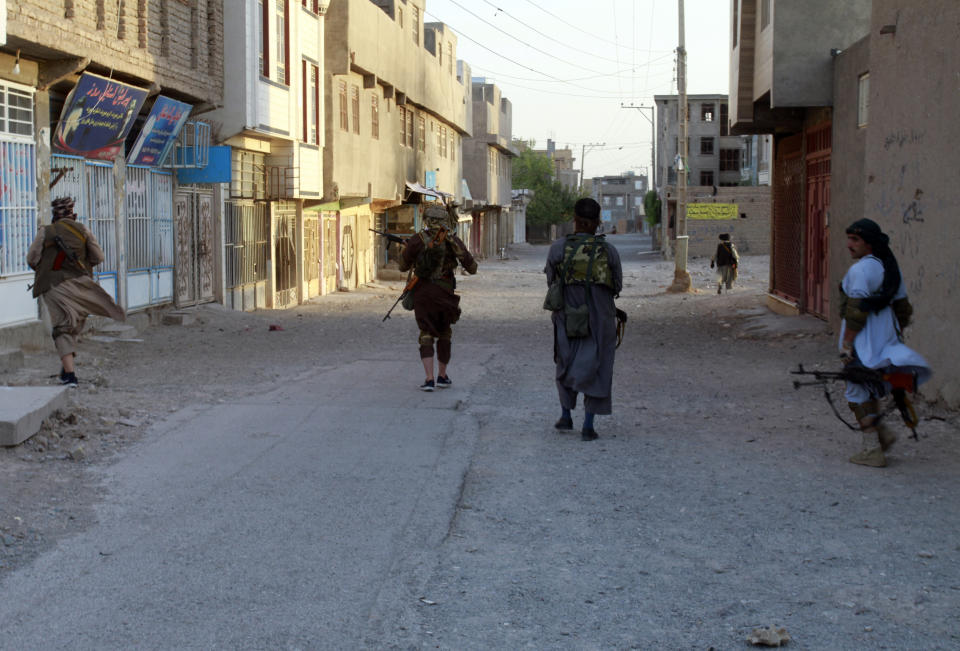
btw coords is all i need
(488, 171)
(563, 160)
(715, 157)
(272, 118)
(93, 94)
(396, 112)
(621, 201)
(781, 83)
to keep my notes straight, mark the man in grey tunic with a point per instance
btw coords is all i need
(588, 275)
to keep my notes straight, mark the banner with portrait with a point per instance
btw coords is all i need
(97, 117)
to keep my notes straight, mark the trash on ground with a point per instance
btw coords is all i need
(771, 636)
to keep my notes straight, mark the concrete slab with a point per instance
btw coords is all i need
(120, 330)
(11, 359)
(23, 409)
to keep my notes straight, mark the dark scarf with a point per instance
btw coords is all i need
(869, 231)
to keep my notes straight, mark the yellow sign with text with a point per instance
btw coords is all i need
(711, 211)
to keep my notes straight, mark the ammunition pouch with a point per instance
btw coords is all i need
(903, 311)
(554, 299)
(854, 314)
(577, 321)
(407, 300)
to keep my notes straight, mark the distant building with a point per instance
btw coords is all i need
(715, 157)
(488, 169)
(562, 164)
(621, 201)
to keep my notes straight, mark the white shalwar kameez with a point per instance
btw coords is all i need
(879, 345)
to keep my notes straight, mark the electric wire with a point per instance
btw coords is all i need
(576, 27)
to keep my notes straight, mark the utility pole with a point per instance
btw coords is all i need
(583, 155)
(681, 277)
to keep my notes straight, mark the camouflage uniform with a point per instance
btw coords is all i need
(436, 306)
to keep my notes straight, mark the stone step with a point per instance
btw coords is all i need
(118, 330)
(11, 359)
(179, 318)
(23, 410)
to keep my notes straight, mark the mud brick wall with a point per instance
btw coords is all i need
(177, 44)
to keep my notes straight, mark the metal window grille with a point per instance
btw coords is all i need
(355, 105)
(192, 147)
(149, 219)
(249, 176)
(18, 205)
(16, 111)
(247, 235)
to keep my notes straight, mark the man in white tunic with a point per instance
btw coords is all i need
(875, 310)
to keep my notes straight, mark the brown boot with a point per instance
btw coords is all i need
(887, 438)
(872, 452)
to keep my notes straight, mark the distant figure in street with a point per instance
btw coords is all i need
(727, 260)
(63, 256)
(875, 310)
(585, 276)
(434, 254)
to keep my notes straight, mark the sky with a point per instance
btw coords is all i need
(567, 66)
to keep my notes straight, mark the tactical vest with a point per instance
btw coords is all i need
(55, 266)
(577, 266)
(432, 264)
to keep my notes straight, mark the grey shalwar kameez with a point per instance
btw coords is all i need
(585, 364)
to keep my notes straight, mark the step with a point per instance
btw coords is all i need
(23, 410)
(11, 359)
(118, 330)
(179, 318)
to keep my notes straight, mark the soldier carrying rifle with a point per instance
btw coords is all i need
(875, 310)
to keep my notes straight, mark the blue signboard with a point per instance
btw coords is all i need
(216, 171)
(430, 179)
(159, 131)
(97, 117)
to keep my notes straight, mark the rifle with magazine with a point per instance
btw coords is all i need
(898, 381)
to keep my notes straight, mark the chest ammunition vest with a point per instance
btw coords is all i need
(64, 256)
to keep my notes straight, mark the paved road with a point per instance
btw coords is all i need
(344, 509)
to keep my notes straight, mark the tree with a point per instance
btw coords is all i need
(552, 203)
(652, 206)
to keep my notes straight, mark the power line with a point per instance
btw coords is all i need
(576, 27)
(547, 36)
(552, 81)
(552, 56)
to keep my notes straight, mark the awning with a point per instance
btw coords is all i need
(465, 190)
(436, 194)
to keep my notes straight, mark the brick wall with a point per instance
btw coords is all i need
(750, 231)
(176, 43)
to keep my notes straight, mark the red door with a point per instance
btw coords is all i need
(816, 292)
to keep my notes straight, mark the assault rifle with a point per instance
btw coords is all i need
(391, 238)
(899, 382)
(66, 253)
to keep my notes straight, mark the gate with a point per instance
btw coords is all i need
(285, 254)
(787, 231)
(193, 230)
(149, 235)
(816, 292)
(311, 253)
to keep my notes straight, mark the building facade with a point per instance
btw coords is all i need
(621, 201)
(563, 161)
(126, 58)
(397, 108)
(488, 170)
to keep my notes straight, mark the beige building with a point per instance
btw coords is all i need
(488, 170)
(563, 168)
(396, 112)
(140, 213)
(894, 153)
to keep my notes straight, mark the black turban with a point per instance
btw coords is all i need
(869, 231)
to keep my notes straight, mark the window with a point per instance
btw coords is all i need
(262, 39)
(706, 147)
(375, 116)
(18, 178)
(619, 201)
(453, 149)
(342, 87)
(440, 139)
(764, 14)
(415, 22)
(724, 120)
(863, 98)
(706, 112)
(402, 111)
(355, 106)
(490, 160)
(606, 201)
(450, 58)
(283, 35)
(706, 177)
(400, 17)
(422, 126)
(410, 128)
(312, 5)
(729, 160)
(443, 138)
(311, 103)
(440, 53)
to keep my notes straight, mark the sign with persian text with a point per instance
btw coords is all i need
(712, 211)
(159, 132)
(97, 117)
